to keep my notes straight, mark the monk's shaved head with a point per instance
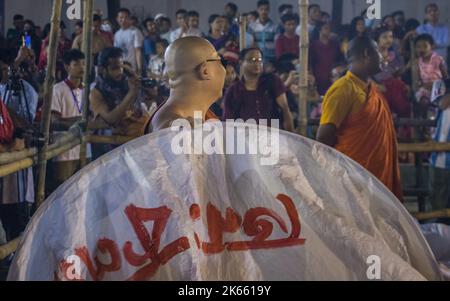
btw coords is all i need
(185, 54)
(360, 47)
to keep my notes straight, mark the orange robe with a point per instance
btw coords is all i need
(369, 138)
(209, 115)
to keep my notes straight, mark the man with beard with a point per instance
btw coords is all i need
(114, 98)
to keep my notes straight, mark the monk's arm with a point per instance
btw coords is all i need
(327, 134)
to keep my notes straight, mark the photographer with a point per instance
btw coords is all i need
(115, 96)
(16, 190)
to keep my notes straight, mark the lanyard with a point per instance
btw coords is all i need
(75, 100)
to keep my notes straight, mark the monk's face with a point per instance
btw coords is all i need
(217, 73)
(374, 61)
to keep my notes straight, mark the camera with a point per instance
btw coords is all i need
(149, 83)
(14, 83)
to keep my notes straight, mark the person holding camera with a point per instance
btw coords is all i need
(115, 98)
(19, 103)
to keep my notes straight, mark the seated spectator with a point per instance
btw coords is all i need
(114, 98)
(193, 22)
(289, 41)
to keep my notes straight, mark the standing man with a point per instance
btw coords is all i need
(181, 16)
(264, 31)
(130, 40)
(314, 18)
(438, 31)
(67, 110)
(356, 119)
(257, 96)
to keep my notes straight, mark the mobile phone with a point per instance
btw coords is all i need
(26, 41)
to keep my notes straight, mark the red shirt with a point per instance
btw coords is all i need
(260, 104)
(285, 45)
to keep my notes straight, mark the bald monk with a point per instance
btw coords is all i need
(356, 119)
(196, 78)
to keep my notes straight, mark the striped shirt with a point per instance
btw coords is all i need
(442, 160)
(264, 36)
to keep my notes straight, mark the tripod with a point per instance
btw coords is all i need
(15, 90)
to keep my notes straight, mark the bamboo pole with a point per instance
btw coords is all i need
(87, 49)
(242, 32)
(116, 140)
(9, 248)
(427, 147)
(48, 93)
(303, 76)
(11, 157)
(430, 215)
(14, 167)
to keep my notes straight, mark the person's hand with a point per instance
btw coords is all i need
(292, 78)
(184, 27)
(134, 85)
(22, 55)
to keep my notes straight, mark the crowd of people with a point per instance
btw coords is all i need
(130, 80)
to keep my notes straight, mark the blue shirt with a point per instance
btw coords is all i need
(440, 34)
(442, 160)
(264, 36)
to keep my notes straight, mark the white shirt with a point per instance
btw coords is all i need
(68, 105)
(128, 40)
(156, 65)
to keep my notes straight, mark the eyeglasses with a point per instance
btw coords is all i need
(222, 60)
(255, 60)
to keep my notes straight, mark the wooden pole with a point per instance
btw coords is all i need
(9, 248)
(303, 76)
(87, 49)
(432, 215)
(6, 158)
(242, 32)
(15, 166)
(48, 93)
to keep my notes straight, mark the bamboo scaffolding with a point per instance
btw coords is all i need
(10, 157)
(116, 140)
(87, 49)
(427, 147)
(303, 78)
(48, 93)
(13, 167)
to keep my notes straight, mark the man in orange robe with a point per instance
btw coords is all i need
(356, 118)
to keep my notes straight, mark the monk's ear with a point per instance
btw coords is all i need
(203, 72)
